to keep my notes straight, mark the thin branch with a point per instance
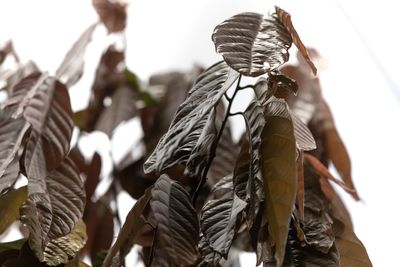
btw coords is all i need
(214, 148)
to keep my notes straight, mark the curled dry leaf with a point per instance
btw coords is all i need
(177, 222)
(252, 44)
(285, 18)
(112, 13)
(278, 154)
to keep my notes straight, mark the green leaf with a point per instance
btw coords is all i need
(278, 161)
(9, 206)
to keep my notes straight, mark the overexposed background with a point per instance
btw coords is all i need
(361, 82)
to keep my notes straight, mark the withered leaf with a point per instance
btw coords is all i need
(178, 225)
(251, 43)
(285, 18)
(177, 144)
(278, 155)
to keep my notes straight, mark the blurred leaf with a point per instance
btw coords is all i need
(99, 220)
(16, 244)
(112, 14)
(178, 225)
(252, 44)
(190, 120)
(9, 206)
(122, 108)
(15, 76)
(71, 69)
(92, 175)
(107, 79)
(278, 154)
(285, 18)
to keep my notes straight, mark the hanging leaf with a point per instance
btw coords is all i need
(285, 18)
(220, 220)
(247, 178)
(178, 226)
(210, 257)
(12, 132)
(71, 69)
(226, 152)
(45, 105)
(112, 13)
(9, 207)
(278, 154)
(304, 138)
(252, 44)
(190, 120)
(53, 207)
(122, 108)
(134, 222)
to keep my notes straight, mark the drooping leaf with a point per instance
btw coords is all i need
(177, 144)
(112, 14)
(226, 152)
(92, 172)
(285, 18)
(134, 222)
(15, 76)
(122, 108)
(252, 44)
(220, 220)
(45, 105)
(278, 154)
(71, 68)
(178, 226)
(304, 138)
(54, 205)
(247, 177)
(12, 132)
(9, 206)
(210, 257)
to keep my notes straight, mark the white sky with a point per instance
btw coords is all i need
(176, 33)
